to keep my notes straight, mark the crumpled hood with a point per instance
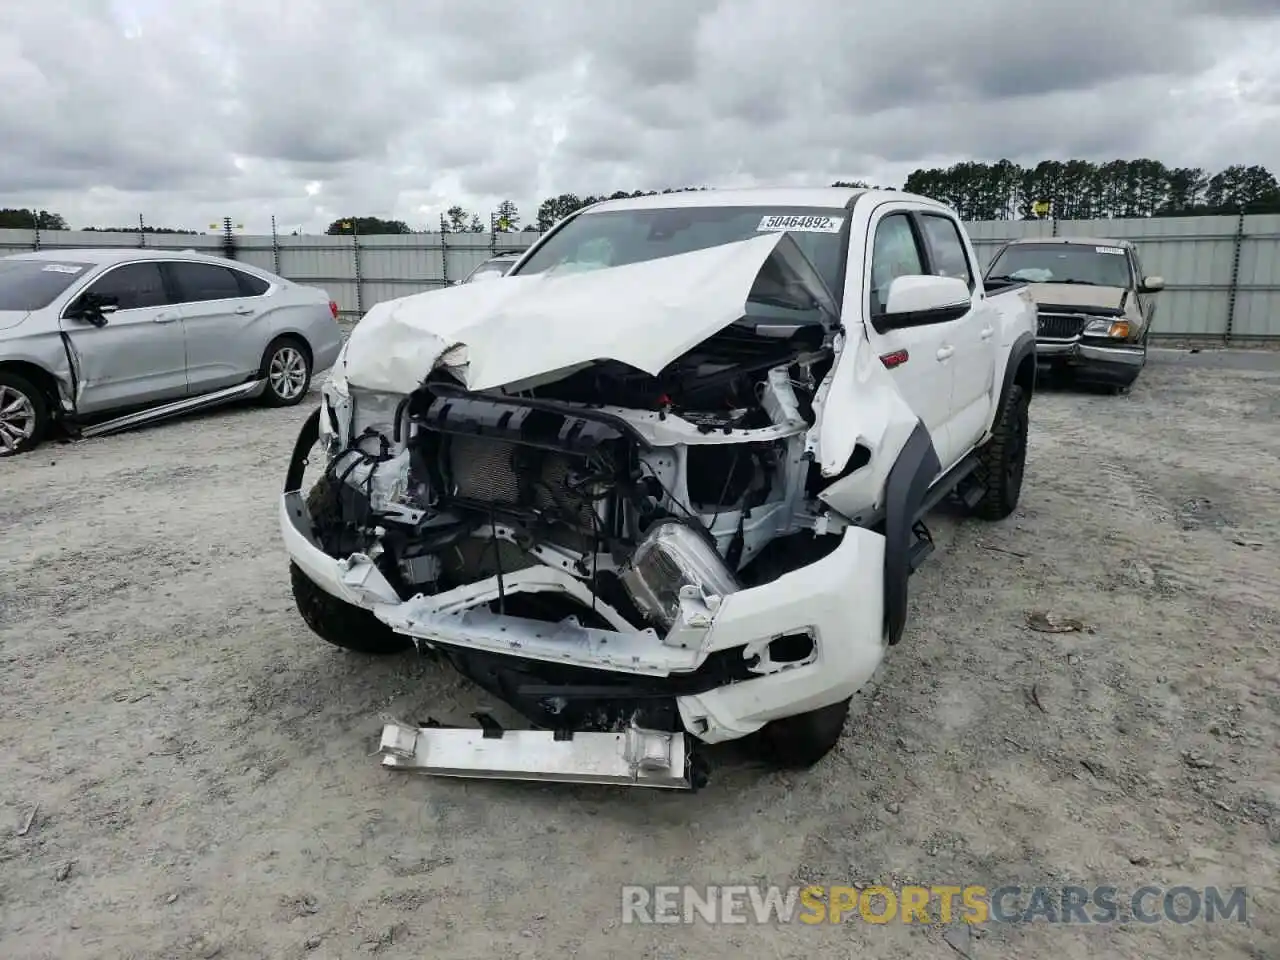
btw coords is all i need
(11, 318)
(1076, 295)
(517, 328)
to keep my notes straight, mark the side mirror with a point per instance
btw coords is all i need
(924, 299)
(94, 308)
(1152, 284)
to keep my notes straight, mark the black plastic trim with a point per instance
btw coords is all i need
(307, 438)
(1082, 311)
(441, 389)
(910, 478)
(884, 322)
(1022, 347)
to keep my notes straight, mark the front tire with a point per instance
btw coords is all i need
(340, 623)
(1003, 458)
(801, 741)
(286, 366)
(334, 620)
(24, 415)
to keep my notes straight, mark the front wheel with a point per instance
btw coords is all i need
(286, 366)
(334, 620)
(1003, 459)
(24, 415)
(341, 624)
(801, 741)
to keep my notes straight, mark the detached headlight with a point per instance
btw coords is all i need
(671, 559)
(1107, 328)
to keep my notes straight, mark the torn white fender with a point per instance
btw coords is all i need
(865, 408)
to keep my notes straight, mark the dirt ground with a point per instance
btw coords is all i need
(201, 764)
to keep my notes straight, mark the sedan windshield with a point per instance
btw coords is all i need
(34, 284)
(616, 237)
(1063, 263)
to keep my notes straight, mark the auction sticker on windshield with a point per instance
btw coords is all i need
(1119, 251)
(801, 224)
(62, 268)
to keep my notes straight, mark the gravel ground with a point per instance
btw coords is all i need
(205, 786)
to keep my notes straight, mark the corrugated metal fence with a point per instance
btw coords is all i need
(1222, 274)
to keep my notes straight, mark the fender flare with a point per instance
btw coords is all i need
(307, 438)
(1024, 346)
(915, 470)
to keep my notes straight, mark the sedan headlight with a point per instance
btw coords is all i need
(1104, 327)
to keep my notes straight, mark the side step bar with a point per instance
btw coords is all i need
(635, 757)
(241, 391)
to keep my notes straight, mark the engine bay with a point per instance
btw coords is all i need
(454, 487)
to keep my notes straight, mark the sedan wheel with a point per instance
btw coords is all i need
(23, 415)
(287, 371)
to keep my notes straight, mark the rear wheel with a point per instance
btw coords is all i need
(1002, 459)
(286, 366)
(801, 741)
(24, 415)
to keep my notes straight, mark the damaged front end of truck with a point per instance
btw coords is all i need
(603, 497)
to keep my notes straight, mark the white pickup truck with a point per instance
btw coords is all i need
(664, 483)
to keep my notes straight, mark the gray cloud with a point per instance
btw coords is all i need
(311, 109)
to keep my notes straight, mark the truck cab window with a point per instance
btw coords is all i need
(946, 251)
(894, 253)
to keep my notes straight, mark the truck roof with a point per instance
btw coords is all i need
(830, 197)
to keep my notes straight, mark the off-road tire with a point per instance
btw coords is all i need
(335, 620)
(801, 741)
(34, 396)
(1002, 459)
(273, 395)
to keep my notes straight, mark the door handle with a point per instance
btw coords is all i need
(946, 352)
(164, 318)
(246, 310)
(987, 332)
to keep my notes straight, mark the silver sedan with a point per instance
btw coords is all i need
(95, 341)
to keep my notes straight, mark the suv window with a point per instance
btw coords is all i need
(894, 253)
(251, 286)
(133, 286)
(946, 249)
(204, 281)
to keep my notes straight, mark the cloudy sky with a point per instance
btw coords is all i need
(191, 110)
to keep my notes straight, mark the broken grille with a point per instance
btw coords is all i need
(1061, 326)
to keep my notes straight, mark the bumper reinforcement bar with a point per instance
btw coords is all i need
(635, 757)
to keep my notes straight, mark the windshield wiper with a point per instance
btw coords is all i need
(770, 301)
(1084, 283)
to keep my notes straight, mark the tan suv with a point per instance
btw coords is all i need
(1096, 305)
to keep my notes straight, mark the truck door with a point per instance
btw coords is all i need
(974, 336)
(920, 356)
